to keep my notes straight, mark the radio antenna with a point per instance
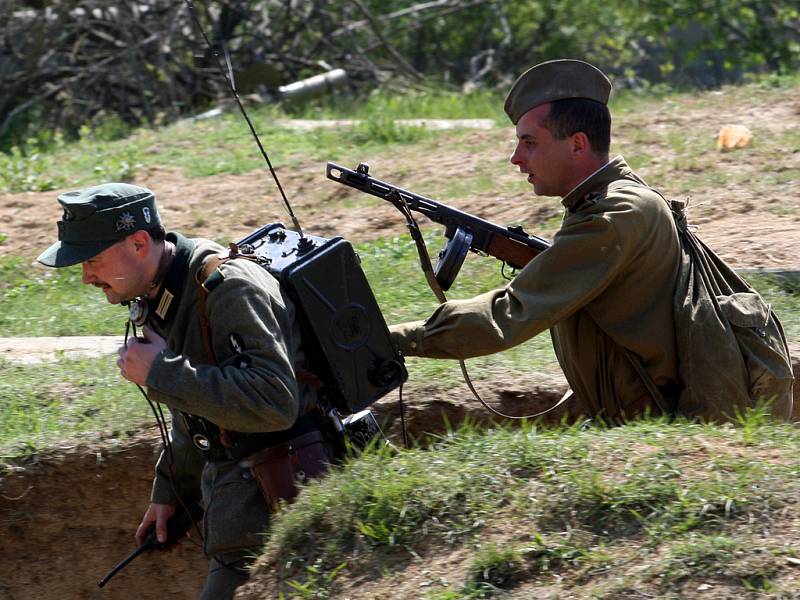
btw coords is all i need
(229, 80)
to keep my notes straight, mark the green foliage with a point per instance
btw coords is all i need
(385, 130)
(317, 581)
(430, 103)
(27, 170)
(643, 44)
(719, 40)
(224, 145)
(496, 566)
(725, 557)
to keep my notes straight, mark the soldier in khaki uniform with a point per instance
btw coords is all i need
(250, 399)
(605, 288)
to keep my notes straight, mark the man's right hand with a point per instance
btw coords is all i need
(158, 514)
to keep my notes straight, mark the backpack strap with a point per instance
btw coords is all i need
(208, 277)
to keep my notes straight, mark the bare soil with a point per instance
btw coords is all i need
(67, 517)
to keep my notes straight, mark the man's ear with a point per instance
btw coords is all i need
(580, 143)
(140, 240)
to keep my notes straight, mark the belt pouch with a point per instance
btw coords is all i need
(278, 469)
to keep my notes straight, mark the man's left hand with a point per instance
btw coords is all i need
(136, 358)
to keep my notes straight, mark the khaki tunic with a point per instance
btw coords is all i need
(607, 283)
(252, 389)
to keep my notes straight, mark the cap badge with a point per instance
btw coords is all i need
(146, 214)
(126, 222)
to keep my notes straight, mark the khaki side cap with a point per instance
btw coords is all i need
(556, 80)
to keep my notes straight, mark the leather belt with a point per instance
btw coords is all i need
(244, 444)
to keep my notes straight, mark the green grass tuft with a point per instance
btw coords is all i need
(580, 502)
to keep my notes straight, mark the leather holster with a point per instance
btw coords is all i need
(279, 469)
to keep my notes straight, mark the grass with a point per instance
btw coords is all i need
(47, 405)
(582, 512)
(637, 511)
(44, 302)
(36, 412)
(224, 145)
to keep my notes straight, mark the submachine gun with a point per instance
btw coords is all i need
(464, 232)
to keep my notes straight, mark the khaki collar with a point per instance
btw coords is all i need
(595, 184)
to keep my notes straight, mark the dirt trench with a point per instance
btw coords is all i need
(68, 517)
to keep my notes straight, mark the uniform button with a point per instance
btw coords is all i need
(247, 475)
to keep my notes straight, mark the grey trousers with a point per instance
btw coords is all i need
(227, 572)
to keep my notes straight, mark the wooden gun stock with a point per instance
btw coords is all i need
(511, 251)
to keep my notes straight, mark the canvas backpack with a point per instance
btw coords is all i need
(732, 352)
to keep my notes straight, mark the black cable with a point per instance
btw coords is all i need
(161, 422)
(232, 87)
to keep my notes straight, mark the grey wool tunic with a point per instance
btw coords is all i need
(252, 389)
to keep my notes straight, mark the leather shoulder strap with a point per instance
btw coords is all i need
(208, 277)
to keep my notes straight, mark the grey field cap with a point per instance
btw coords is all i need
(556, 80)
(98, 217)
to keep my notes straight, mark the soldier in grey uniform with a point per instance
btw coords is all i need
(605, 288)
(230, 385)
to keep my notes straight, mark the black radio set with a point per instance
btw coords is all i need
(344, 334)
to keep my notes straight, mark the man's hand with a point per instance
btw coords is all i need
(158, 514)
(135, 358)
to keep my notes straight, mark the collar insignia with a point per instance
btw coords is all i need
(164, 303)
(237, 343)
